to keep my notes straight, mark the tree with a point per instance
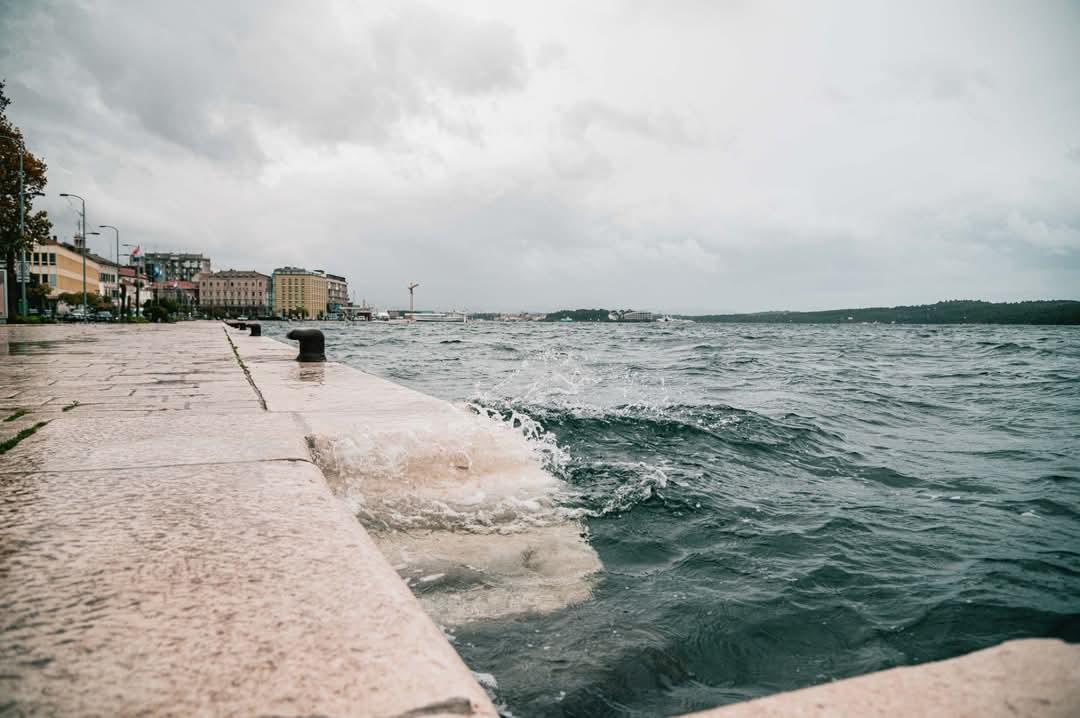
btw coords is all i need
(37, 225)
(37, 295)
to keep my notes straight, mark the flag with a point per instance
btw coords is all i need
(136, 252)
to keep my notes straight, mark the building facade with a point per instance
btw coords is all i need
(337, 293)
(236, 292)
(172, 266)
(300, 293)
(60, 266)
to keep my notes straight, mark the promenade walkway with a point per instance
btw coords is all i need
(168, 548)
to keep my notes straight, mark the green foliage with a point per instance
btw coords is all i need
(36, 224)
(957, 311)
(579, 315)
(11, 443)
(94, 301)
(37, 295)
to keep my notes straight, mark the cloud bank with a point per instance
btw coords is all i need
(678, 157)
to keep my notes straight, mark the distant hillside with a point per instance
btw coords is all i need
(959, 311)
(579, 315)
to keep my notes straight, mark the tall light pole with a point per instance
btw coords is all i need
(82, 215)
(116, 257)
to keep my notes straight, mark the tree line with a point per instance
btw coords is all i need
(957, 311)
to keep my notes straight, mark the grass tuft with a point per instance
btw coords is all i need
(71, 406)
(17, 414)
(11, 443)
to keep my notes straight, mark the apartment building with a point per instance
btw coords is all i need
(60, 266)
(236, 291)
(337, 292)
(300, 292)
(171, 266)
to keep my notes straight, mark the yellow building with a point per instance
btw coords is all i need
(300, 293)
(60, 266)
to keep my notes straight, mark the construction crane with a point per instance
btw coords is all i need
(412, 286)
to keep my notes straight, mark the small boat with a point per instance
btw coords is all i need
(567, 319)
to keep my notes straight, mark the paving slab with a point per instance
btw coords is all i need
(242, 589)
(1037, 678)
(169, 548)
(75, 442)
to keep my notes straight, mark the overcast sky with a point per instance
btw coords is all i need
(674, 156)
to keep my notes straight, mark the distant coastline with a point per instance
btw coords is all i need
(960, 311)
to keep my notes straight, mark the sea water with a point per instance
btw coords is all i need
(770, 506)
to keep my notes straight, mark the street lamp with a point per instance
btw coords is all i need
(82, 215)
(116, 257)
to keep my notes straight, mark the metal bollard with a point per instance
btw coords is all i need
(312, 344)
(256, 329)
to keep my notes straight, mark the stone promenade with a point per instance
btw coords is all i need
(167, 546)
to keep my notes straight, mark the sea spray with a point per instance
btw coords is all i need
(463, 506)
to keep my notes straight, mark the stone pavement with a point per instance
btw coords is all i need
(168, 548)
(1032, 677)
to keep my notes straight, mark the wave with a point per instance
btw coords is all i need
(464, 506)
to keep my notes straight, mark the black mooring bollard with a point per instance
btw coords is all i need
(312, 344)
(256, 329)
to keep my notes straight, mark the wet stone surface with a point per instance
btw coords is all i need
(167, 547)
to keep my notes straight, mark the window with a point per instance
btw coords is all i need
(52, 258)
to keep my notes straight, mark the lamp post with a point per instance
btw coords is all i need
(116, 257)
(82, 215)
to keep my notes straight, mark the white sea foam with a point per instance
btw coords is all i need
(463, 505)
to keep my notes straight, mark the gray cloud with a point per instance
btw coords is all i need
(536, 156)
(665, 127)
(209, 76)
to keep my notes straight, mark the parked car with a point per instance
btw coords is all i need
(103, 316)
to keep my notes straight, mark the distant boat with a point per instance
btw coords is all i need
(567, 319)
(452, 317)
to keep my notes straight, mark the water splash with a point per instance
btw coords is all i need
(463, 506)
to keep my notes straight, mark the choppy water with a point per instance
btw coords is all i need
(773, 506)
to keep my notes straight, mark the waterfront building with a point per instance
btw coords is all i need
(60, 266)
(236, 292)
(169, 266)
(337, 292)
(300, 292)
(108, 285)
(184, 293)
